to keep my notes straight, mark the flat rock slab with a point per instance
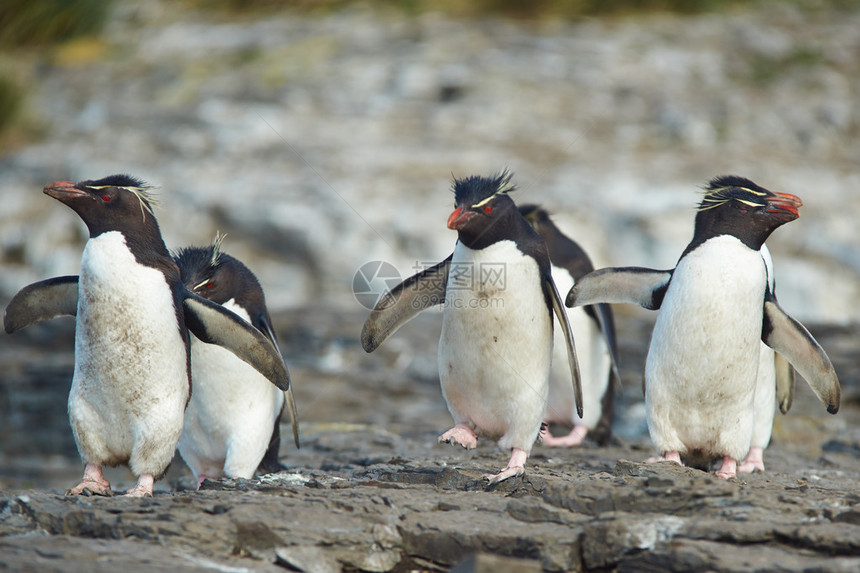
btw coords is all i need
(401, 515)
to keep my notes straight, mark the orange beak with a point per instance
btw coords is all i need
(459, 218)
(784, 206)
(62, 190)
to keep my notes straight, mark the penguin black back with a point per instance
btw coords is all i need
(563, 251)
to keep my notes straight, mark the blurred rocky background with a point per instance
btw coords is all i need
(320, 134)
(323, 134)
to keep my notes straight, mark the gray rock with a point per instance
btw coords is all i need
(486, 563)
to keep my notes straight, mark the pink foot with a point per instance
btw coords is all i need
(200, 479)
(515, 467)
(143, 487)
(728, 469)
(754, 461)
(93, 483)
(667, 457)
(460, 434)
(574, 438)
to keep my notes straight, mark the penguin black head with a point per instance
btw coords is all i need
(215, 275)
(483, 212)
(736, 206)
(115, 203)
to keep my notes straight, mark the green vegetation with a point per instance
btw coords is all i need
(766, 69)
(27, 27)
(45, 22)
(11, 98)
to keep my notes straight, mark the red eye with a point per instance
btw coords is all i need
(488, 209)
(210, 285)
(106, 198)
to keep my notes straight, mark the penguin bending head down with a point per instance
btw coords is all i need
(132, 377)
(715, 308)
(496, 342)
(232, 423)
(594, 331)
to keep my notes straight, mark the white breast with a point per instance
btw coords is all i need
(704, 354)
(130, 384)
(231, 414)
(494, 352)
(594, 363)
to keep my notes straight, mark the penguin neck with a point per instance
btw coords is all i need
(708, 227)
(145, 243)
(513, 228)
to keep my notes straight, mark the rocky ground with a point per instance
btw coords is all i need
(371, 490)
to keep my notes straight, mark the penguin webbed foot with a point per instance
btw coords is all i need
(143, 488)
(515, 467)
(754, 461)
(461, 434)
(93, 483)
(506, 473)
(90, 488)
(747, 467)
(574, 438)
(728, 469)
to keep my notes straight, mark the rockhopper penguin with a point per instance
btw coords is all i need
(496, 343)
(232, 423)
(715, 307)
(132, 376)
(594, 331)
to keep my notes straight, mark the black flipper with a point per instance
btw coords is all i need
(561, 314)
(635, 285)
(397, 307)
(40, 301)
(791, 339)
(784, 382)
(214, 324)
